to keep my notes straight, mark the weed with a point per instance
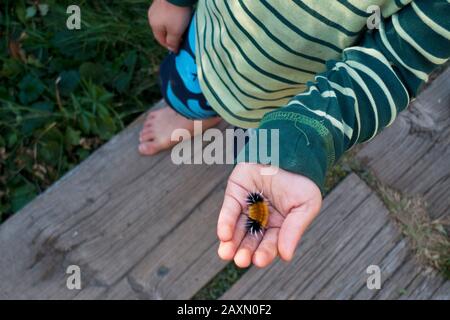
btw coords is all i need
(64, 93)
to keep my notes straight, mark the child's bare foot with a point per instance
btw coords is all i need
(159, 125)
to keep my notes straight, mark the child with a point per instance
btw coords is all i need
(310, 68)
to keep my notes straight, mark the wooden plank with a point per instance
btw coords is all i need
(410, 281)
(443, 292)
(352, 232)
(413, 154)
(121, 291)
(424, 285)
(353, 278)
(121, 218)
(392, 261)
(343, 229)
(105, 216)
(184, 262)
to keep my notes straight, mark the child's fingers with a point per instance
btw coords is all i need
(243, 257)
(232, 207)
(267, 250)
(227, 249)
(293, 228)
(173, 41)
(160, 33)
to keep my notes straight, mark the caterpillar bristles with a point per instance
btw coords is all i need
(258, 213)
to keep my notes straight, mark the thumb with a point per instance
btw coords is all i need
(293, 227)
(173, 41)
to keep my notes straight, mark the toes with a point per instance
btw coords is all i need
(146, 135)
(149, 119)
(152, 113)
(148, 148)
(153, 146)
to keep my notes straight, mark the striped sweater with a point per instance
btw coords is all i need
(313, 70)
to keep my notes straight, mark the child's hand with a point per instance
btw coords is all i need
(294, 202)
(168, 23)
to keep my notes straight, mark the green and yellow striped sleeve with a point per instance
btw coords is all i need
(361, 94)
(183, 3)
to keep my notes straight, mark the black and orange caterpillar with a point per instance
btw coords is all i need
(258, 213)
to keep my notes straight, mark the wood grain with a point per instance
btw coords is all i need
(144, 228)
(107, 215)
(331, 262)
(413, 155)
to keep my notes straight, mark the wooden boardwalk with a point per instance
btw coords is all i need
(144, 228)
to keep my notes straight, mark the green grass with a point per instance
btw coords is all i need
(64, 93)
(218, 285)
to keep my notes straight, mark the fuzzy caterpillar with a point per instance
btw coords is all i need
(258, 213)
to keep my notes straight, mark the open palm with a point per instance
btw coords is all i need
(294, 202)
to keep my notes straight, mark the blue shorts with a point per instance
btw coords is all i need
(179, 80)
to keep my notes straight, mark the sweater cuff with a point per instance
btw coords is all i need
(305, 145)
(183, 3)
